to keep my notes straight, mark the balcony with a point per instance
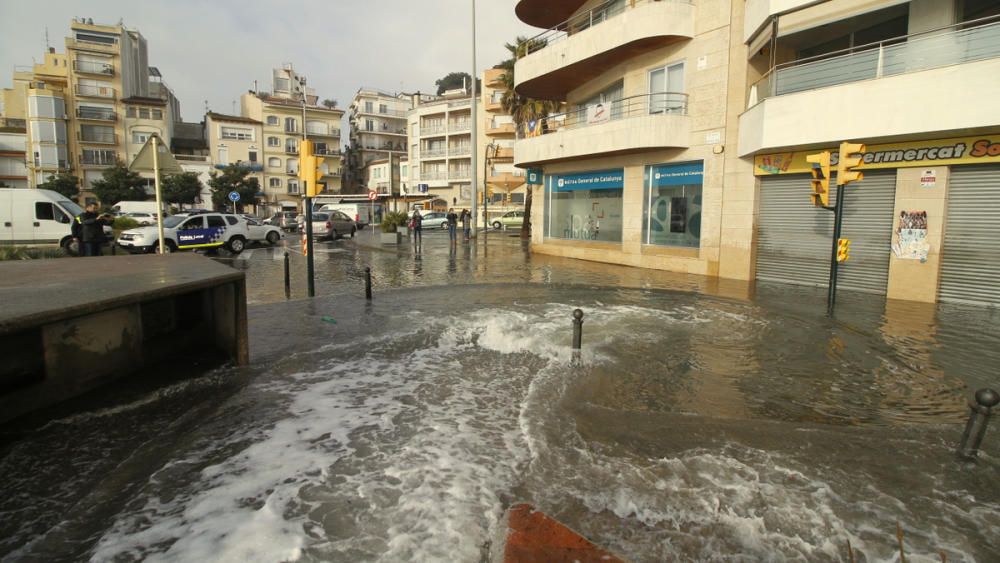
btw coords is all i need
(327, 152)
(98, 158)
(460, 151)
(460, 127)
(430, 154)
(291, 150)
(494, 78)
(503, 153)
(459, 173)
(434, 175)
(251, 166)
(546, 13)
(505, 128)
(630, 125)
(93, 67)
(912, 75)
(98, 137)
(588, 44)
(435, 130)
(494, 102)
(506, 180)
(103, 92)
(96, 114)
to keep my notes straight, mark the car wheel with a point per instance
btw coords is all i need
(334, 235)
(353, 230)
(168, 247)
(497, 225)
(273, 237)
(444, 225)
(236, 245)
(71, 246)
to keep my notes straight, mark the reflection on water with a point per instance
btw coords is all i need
(698, 427)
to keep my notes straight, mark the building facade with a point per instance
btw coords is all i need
(440, 152)
(503, 184)
(233, 140)
(378, 130)
(13, 143)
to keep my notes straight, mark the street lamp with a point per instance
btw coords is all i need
(486, 179)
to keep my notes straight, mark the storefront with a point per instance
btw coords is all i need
(970, 261)
(585, 205)
(672, 204)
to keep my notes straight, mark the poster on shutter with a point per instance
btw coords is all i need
(911, 236)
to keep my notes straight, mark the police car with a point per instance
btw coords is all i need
(188, 231)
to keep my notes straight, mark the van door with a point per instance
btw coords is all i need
(50, 223)
(6, 216)
(22, 215)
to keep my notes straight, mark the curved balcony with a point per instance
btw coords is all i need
(546, 13)
(629, 125)
(590, 43)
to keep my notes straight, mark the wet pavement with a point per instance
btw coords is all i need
(707, 420)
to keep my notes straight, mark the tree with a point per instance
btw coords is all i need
(233, 179)
(65, 184)
(522, 109)
(330, 104)
(455, 80)
(119, 184)
(181, 188)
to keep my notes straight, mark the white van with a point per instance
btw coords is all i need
(360, 212)
(33, 216)
(134, 206)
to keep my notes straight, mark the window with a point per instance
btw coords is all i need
(216, 221)
(273, 142)
(238, 133)
(382, 108)
(403, 170)
(46, 106)
(281, 84)
(97, 133)
(233, 220)
(666, 89)
(274, 162)
(293, 187)
(96, 112)
(252, 155)
(130, 111)
(274, 182)
(192, 223)
(96, 156)
(672, 204)
(140, 137)
(369, 106)
(585, 205)
(223, 155)
(272, 120)
(369, 125)
(291, 125)
(44, 211)
(157, 114)
(317, 128)
(143, 113)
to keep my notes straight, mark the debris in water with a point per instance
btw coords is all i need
(330, 320)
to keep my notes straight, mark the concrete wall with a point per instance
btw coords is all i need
(912, 279)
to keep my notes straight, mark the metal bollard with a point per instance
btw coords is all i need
(368, 284)
(979, 417)
(288, 279)
(577, 328)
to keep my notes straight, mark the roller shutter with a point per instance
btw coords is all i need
(970, 256)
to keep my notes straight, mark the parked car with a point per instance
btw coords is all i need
(123, 207)
(360, 212)
(332, 225)
(141, 217)
(33, 216)
(260, 233)
(285, 220)
(434, 219)
(181, 232)
(509, 219)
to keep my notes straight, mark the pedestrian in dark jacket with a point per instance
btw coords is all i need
(91, 227)
(466, 218)
(417, 225)
(452, 225)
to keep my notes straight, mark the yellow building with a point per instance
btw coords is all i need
(505, 183)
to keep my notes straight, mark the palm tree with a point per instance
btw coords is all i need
(521, 108)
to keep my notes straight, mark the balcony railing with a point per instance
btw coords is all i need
(93, 67)
(459, 127)
(327, 152)
(96, 114)
(660, 103)
(96, 137)
(61, 164)
(432, 130)
(434, 175)
(960, 43)
(434, 153)
(580, 22)
(459, 173)
(459, 151)
(105, 159)
(291, 150)
(95, 91)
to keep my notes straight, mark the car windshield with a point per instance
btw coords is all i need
(68, 205)
(173, 220)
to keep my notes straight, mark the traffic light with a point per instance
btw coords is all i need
(843, 249)
(850, 158)
(820, 178)
(309, 171)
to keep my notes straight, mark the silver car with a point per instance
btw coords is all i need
(331, 224)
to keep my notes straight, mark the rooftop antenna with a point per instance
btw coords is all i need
(47, 45)
(234, 107)
(206, 106)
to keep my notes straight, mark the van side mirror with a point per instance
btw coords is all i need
(63, 219)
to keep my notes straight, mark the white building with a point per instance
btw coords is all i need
(440, 151)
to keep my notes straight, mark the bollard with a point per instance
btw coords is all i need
(288, 279)
(979, 417)
(368, 284)
(577, 329)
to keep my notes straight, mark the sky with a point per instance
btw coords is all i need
(213, 51)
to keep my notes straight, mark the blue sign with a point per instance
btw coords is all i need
(686, 174)
(535, 176)
(234, 196)
(600, 180)
(196, 238)
(422, 188)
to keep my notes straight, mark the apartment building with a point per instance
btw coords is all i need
(87, 109)
(378, 130)
(288, 114)
(504, 183)
(440, 151)
(913, 81)
(13, 147)
(637, 169)
(236, 140)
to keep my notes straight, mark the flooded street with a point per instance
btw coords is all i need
(706, 421)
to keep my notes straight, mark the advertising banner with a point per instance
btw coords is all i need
(197, 238)
(598, 113)
(685, 174)
(981, 149)
(599, 180)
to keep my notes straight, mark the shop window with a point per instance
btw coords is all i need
(672, 204)
(585, 206)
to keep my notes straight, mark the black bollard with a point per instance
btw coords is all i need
(368, 284)
(288, 279)
(979, 417)
(577, 329)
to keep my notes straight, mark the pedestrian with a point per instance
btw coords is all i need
(466, 219)
(416, 224)
(452, 225)
(91, 228)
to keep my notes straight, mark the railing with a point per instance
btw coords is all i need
(661, 103)
(500, 126)
(459, 173)
(496, 98)
(960, 43)
(459, 103)
(327, 152)
(459, 127)
(61, 164)
(432, 130)
(436, 175)
(459, 151)
(192, 158)
(13, 122)
(292, 171)
(580, 22)
(434, 153)
(95, 91)
(291, 150)
(96, 114)
(93, 67)
(99, 158)
(96, 137)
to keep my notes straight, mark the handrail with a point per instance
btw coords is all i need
(582, 21)
(659, 103)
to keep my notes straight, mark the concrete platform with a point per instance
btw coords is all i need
(68, 325)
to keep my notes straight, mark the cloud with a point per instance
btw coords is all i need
(213, 51)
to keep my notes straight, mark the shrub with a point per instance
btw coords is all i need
(29, 253)
(124, 224)
(392, 220)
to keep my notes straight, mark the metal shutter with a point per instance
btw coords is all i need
(970, 256)
(794, 238)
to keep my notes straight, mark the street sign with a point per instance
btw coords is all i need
(372, 195)
(535, 176)
(422, 188)
(234, 196)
